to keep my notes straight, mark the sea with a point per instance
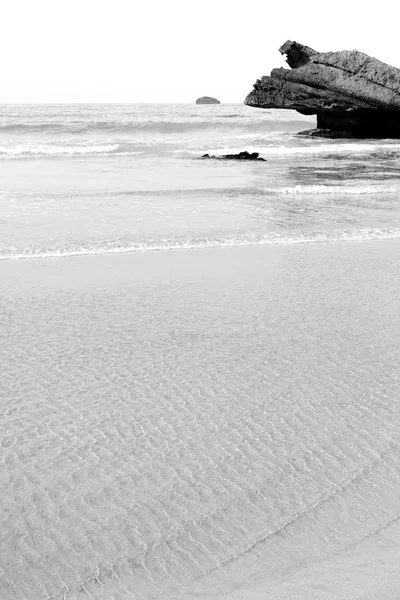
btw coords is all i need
(90, 179)
(199, 358)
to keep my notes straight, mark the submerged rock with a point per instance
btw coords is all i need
(240, 156)
(207, 100)
(352, 94)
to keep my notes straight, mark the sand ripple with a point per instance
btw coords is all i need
(162, 428)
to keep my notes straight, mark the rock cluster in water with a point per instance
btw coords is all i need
(207, 100)
(352, 94)
(239, 156)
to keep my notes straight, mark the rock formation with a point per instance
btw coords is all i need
(207, 100)
(239, 156)
(352, 94)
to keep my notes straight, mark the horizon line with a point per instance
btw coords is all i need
(116, 102)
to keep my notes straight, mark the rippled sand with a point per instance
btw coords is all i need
(202, 424)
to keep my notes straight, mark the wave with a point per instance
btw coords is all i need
(232, 116)
(204, 243)
(163, 127)
(221, 192)
(322, 147)
(132, 147)
(221, 116)
(346, 189)
(333, 189)
(30, 127)
(40, 150)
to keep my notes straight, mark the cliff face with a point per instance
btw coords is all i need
(351, 93)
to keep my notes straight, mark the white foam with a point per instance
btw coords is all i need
(22, 150)
(200, 243)
(334, 189)
(322, 147)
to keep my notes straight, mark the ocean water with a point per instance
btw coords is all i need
(217, 422)
(88, 179)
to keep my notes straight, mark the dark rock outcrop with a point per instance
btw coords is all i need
(207, 100)
(352, 94)
(240, 156)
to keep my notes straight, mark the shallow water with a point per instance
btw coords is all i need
(89, 179)
(211, 422)
(179, 424)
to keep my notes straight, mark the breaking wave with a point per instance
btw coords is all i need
(333, 189)
(41, 150)
(204, 243)
(322, 147)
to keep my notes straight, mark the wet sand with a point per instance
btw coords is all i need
(202, 424)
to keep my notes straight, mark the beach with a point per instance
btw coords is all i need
(202, 423)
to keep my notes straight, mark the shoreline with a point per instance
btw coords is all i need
(199, 254)
(377, 237)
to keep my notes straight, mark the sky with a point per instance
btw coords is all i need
(172, 50)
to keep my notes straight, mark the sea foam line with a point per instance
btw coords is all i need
(204, 243)
(334, 189)
(56, 150)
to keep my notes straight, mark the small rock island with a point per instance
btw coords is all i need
(207, 100)
(352, 94)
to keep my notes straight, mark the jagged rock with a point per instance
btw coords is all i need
(297, 55)
(207, 100)
(352, 94)
(240, 156)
